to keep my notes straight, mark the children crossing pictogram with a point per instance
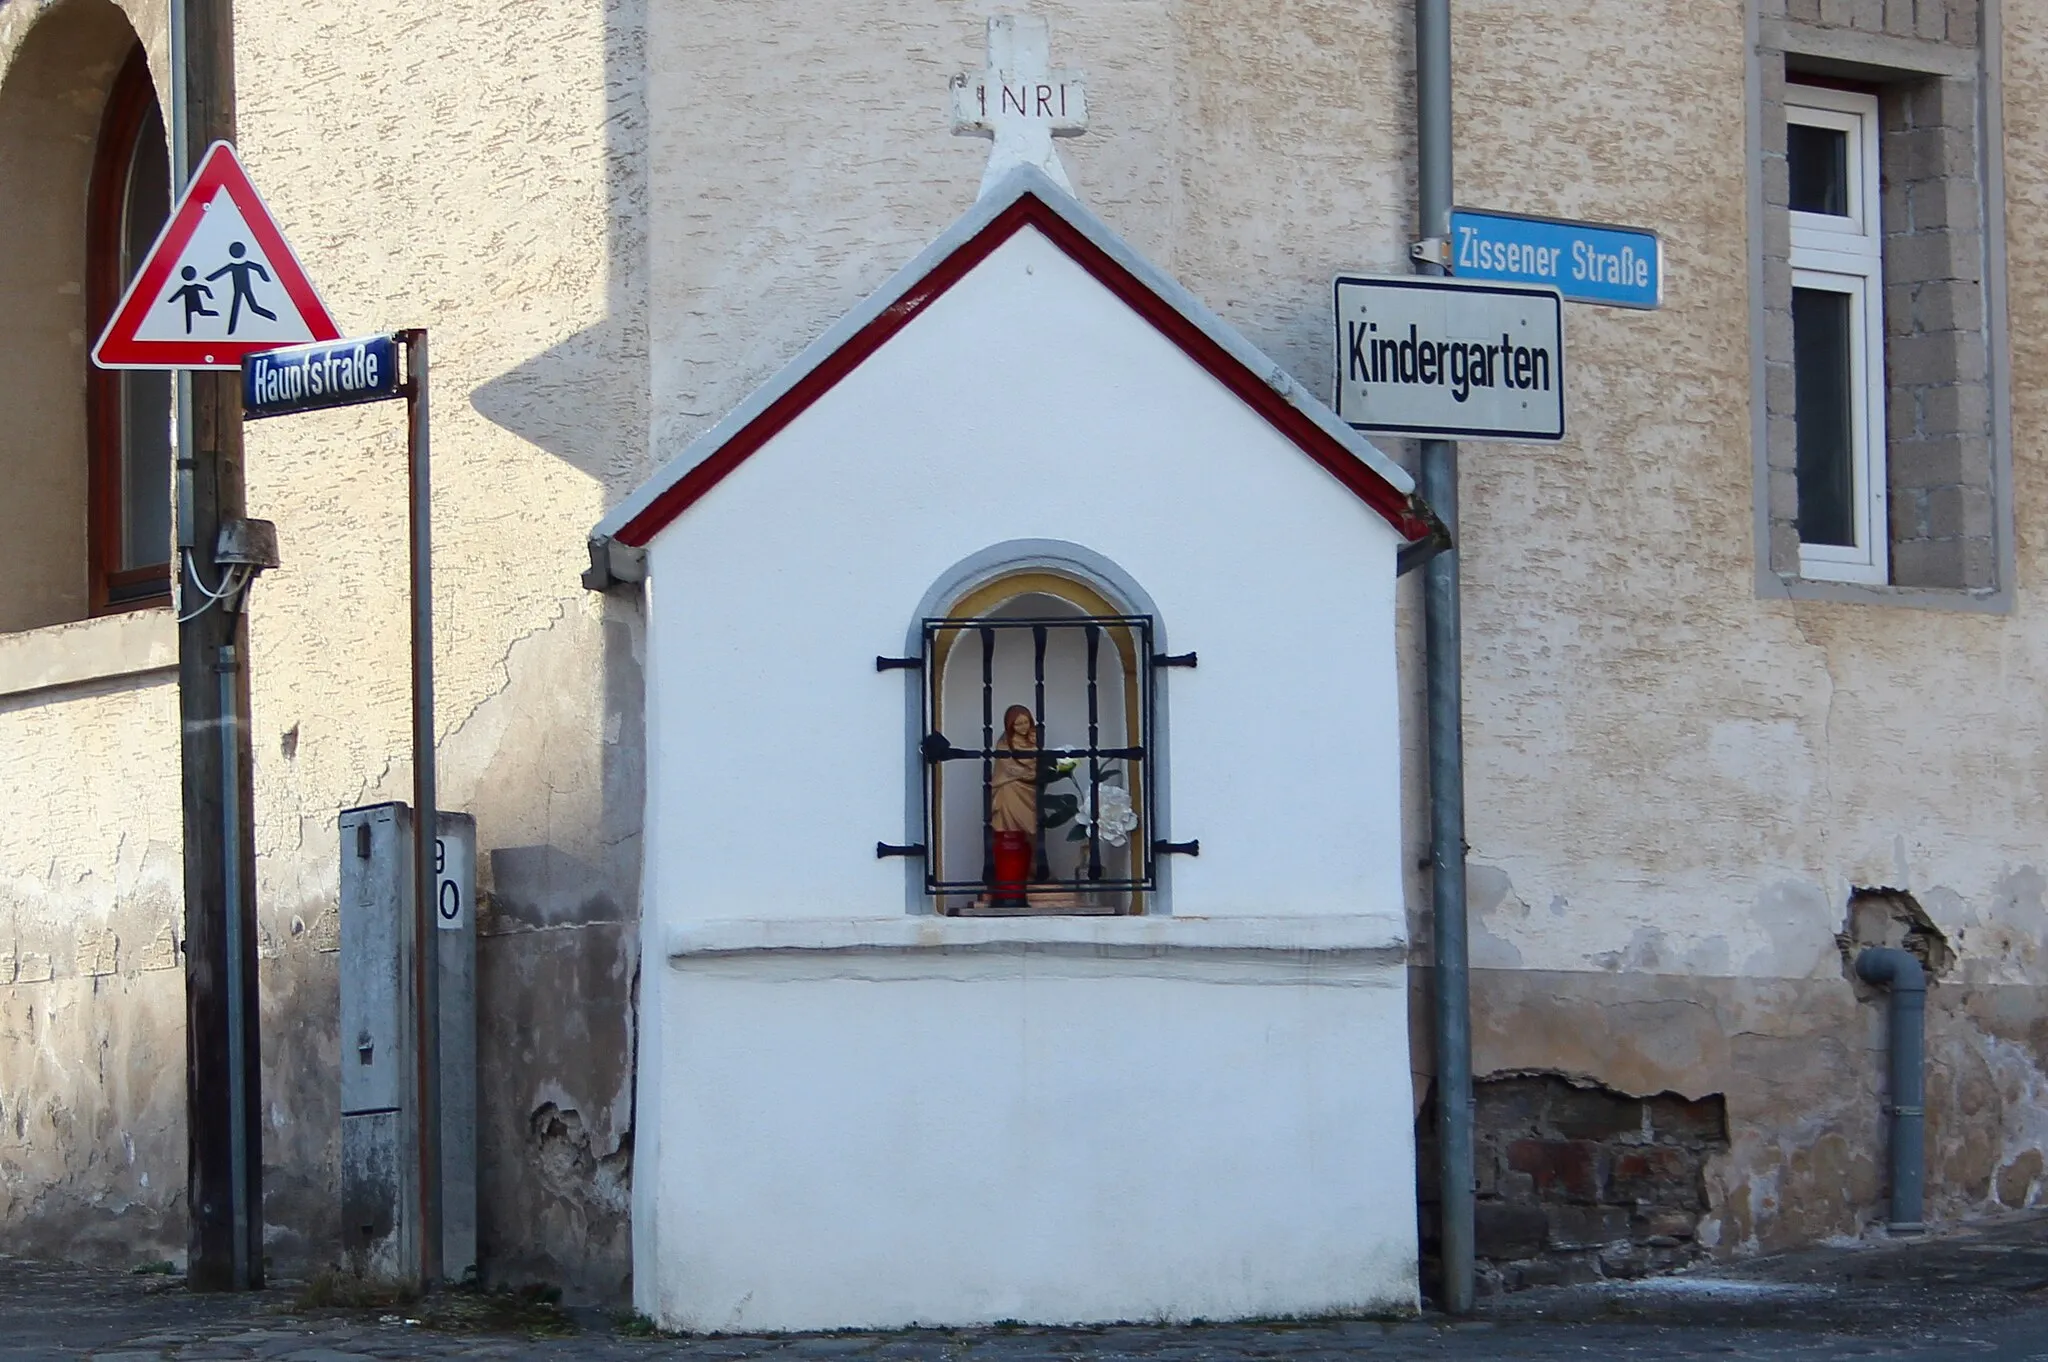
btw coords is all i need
(194, 296)
(239, 270)
(220, 283)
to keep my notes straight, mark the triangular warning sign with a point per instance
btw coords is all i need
(220, 283)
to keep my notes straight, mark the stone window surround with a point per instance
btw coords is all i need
(1912, 64)
(47, 664)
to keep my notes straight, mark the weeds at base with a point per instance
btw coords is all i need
(633, 1324)
(534, 1310)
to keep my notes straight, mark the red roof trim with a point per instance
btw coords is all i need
(1029, 210)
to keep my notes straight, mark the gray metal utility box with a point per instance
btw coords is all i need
(382, 1180)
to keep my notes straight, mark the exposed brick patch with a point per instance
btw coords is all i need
(1578, 1182)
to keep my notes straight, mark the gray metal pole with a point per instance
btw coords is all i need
(1442, 636)
(181, 379)
(238, 1003)
(223, 1074)
(426, 820)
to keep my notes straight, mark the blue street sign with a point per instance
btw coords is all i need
(330, 374)
(1585, 261)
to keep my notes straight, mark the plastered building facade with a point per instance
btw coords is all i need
(618, 219)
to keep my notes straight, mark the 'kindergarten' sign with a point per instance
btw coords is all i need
(1442, 358)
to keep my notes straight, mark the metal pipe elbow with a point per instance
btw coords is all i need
(1895, 969)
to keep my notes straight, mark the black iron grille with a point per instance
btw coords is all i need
(1093, 765)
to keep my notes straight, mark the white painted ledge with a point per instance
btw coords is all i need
(133, 643)
(1349, 935)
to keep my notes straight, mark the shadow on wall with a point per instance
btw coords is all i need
(546, 399)
(557, 979)
(557, 984)
(557, 960)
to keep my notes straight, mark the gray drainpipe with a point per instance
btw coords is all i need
(1443, 667)
(1899, 972)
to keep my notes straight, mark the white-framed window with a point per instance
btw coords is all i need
(1837, 332)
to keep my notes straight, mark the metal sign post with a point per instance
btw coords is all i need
(343, 373)
(425, 810)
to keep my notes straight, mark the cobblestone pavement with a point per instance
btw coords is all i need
(1975, 1294)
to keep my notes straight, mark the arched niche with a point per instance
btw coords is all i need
(53, 97)
(976, 674)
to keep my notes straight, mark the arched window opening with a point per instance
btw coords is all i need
(1039, 751)
(128, 411)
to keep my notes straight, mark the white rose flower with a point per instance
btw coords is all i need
(1115, 819)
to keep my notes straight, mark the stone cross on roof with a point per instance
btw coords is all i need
(1019, 101)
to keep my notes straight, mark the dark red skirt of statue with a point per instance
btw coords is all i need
(1012, 852)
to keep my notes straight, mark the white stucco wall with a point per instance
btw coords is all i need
(955, 1137)
(857, 1116)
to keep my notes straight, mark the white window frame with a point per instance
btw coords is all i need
(1846, 255)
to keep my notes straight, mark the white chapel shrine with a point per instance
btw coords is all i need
(1022, 920)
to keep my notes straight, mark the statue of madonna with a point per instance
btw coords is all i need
(1013, 808)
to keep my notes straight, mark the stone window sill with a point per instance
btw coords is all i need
(1972, 601)
(1351, 935)
(58, 657)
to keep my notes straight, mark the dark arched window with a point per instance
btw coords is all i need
(128, 411)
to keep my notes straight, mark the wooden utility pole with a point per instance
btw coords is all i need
(224, 1178)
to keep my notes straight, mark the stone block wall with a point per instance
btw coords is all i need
(1940, 476)
(1938, 414)
(1952, 21)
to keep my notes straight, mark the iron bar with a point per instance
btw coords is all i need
(1041, 869)
(976, 625)
(974, 753)
(1094, 636)
(936, 749)
(988, 765)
